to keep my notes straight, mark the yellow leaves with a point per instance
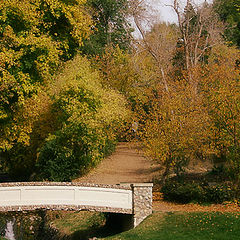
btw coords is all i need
(113, 108)
(9, 58)
(197, 116)
(26, 10)
(32, 46)
(81, 96)
(118, 71)
(221, 86)
(76, 15)
(177, 124)
(222, 54)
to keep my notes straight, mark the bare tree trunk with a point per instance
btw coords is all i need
(195, 44)
(166, 171)
(153, 54)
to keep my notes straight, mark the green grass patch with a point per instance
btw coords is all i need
(77, 225)
(71, 222)
(192, 226)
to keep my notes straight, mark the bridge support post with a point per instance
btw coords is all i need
(142, 201)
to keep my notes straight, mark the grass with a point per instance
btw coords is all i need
(78, 225)
(70, 222)
(187, 226)
(167, 226)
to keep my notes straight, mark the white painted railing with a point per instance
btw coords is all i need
(65, 195)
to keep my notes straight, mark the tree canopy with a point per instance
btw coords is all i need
(61, 112)
(35, 36)
(49, 103)
(228, 11)
(111, 26)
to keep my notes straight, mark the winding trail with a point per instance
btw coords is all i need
(126, 164)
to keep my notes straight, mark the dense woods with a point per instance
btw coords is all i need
(73, 79)
(57, 120)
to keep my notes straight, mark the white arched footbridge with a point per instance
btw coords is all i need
(132, 199)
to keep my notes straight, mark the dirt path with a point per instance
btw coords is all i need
(127, 164)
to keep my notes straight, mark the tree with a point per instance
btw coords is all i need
(221, 87)
(88, 117)
(154, 43)
(174, 122)
(228, 11)
(75, 125)
(200, 30)
(118, 71)
(175, 127)
(159, 45)
(112, 26)
(35, 37)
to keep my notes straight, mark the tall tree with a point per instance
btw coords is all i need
(228, 11)
(221, 87)
(35, 36)
(112, 26)
(200, 31)
(158, 43)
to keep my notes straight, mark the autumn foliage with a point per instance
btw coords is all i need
(54, 116)
(61, 112)
(88, 117)
(35, 36)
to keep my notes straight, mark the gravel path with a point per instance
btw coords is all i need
(126, 164)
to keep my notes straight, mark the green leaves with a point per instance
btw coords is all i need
(228, 11)
(112, 27)
(87, 118)
(35, 36)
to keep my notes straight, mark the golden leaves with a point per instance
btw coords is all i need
(31, 48)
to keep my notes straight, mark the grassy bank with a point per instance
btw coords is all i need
(77, 225)
(167, 226)
(187, 226)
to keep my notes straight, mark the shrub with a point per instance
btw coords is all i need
(88, 117)
(182, 192)
(71, 152)
(185, 192)
(219, 193)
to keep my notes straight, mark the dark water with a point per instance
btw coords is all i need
(27, 225)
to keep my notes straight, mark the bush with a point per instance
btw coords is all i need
(71, 152)
(88, 119)
(182, 192)
(185, 192)
(219, 193)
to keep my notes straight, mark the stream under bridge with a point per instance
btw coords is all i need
(131, 203)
